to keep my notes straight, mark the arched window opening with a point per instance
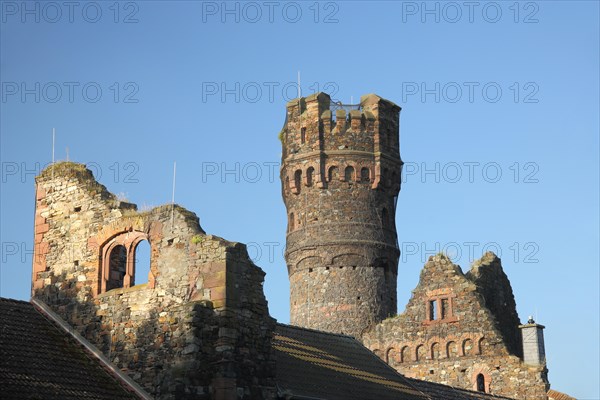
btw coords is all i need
(467, 347)
(349, 174)
(333, 174)
(451, 350)
(390, 356)
(435, 351)
(141, 263)
(298, 180)
(481, 383)
(404, 354)
(420, 353)
(291, 222)
(117, 267)
(309, 176)
(482, 346)
(303, 135)
(365, 175)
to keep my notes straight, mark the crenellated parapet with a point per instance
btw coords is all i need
(325, 142)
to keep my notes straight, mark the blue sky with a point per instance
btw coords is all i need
(499, 130)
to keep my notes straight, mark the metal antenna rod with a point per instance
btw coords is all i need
(53, 142)
(173, 195)
(299, 105)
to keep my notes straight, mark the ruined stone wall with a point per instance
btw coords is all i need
(340, 180)
(448, 335)
(493, 284)
(199, 328)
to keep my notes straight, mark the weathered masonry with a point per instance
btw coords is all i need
(463, 330)
(340, 178)
(198, 329)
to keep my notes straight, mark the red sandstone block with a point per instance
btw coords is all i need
(40, 193)
(216, 266)
(42, 228)
(215, 279)
(217, 293)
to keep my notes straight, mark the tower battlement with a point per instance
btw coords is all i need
(340, 176)
(324, 141)
(318, 123)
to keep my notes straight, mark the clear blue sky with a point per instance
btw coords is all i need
(499, 130)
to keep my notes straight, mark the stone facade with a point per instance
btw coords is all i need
(199, 328)
(340, 178)
(461, 330)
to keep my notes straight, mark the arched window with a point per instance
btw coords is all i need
(117, 267)
(349, 174)
(333, 174)
(481, 383)
(420, 353)
(467, 347)
(435, 351)
(123, 258)
(309, 176)
(451, 349)
(141, 263)
(390, 356)
(404, 354)
(482, 346)
(298, 180)
(365, 174)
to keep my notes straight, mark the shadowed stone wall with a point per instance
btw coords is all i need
(198, 329)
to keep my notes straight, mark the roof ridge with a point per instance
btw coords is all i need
(11, 300)
(316, 331)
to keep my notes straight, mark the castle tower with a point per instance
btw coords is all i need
(340, 178)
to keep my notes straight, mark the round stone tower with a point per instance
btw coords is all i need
(340, 176)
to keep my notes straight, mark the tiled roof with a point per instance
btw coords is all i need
(39, 361)
(554, 395)
(319, 365)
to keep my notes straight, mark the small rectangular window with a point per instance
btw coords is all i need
(432, 310)
(302, 135)
(445, 308)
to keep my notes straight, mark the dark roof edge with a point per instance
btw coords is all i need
(129, 383)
